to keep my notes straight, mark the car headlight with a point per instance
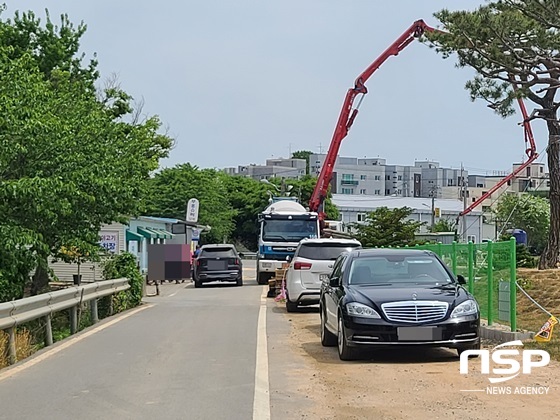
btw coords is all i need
(358, 309)
(468, 307)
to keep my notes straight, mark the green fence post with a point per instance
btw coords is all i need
(490, 274)
(471, 266)
(438, 249)
(454, 257)
(513, 285)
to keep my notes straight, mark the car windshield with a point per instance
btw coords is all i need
(223, 252)
(398, 269)
(289, 230)
(323, 251)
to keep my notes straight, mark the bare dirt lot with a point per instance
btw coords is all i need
(403, 384)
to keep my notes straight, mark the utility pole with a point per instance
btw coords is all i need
(433, 190)
(464, 192)
(433, 210)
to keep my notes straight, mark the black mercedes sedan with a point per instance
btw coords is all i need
(381, 298)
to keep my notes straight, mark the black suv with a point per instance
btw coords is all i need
(382, 298)
(217, 262)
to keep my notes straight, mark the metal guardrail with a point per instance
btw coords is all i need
(17, 312)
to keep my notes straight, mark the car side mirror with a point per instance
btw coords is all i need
(461, 279)
(334, 281)
(288, 258)
(241, 255)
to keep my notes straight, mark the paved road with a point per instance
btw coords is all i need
(190, 355)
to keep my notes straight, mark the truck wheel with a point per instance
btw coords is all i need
(262, 278)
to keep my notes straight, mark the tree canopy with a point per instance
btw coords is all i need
(387, 227)
(69, 162)
(527, 212)
(514, 47)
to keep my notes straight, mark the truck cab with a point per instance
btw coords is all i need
(282, 225)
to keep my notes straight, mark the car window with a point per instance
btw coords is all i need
(337, 269)
(322, 251)
(223, 252)
(402, 269)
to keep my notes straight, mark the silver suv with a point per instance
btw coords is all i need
(311, 265)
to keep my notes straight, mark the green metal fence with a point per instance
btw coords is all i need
(488, 268)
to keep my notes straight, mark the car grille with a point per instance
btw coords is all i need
(415, 311)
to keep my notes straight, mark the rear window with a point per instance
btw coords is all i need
(223, 252)
(324, 251)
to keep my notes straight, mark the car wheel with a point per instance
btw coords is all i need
(239, 281)
(475, 346)
(344, 352)
(290, 306)
(197, 283)
(328, 339)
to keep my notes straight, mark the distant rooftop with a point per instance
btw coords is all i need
(370, 202)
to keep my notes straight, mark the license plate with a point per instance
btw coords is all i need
(217, 265)
(419, 333)
(323, 277)
(267, 265)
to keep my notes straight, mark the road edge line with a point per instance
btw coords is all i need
(261, 400)
(64, 345)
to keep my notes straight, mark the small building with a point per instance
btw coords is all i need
(355, 208)
(134, 238)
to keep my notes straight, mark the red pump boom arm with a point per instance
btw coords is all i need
(348, 114)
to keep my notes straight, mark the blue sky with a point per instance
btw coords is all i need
(239, 82)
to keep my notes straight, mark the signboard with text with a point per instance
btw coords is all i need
(110, 241)
(192, 210)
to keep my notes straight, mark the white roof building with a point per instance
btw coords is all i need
(354, 209)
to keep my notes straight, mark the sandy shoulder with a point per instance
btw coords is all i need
(402, 384)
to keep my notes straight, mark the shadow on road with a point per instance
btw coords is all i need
(300, 310)
(405, 355)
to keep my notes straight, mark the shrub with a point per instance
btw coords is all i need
(123, 265)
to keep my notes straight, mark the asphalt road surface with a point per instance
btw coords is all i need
(187, 354)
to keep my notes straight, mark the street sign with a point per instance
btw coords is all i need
(192, 210)
(196, 234)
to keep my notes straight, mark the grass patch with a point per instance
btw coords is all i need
(544, 287)
(24, 346)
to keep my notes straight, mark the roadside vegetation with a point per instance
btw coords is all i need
(544, 287)
(74, 153)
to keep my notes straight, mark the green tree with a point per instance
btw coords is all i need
(513, 43)
(53, 47)
(303, 154)
(248, 198)
(171, 189)
(68, 163)
(527, 212)
(443, 225)
(386, 227)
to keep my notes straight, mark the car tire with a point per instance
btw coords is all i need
(344, 352)
(475, 346)
(291, 306)
(239, 281)
(328, 339)
(197, 283)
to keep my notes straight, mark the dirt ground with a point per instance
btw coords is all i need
(404, 384)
